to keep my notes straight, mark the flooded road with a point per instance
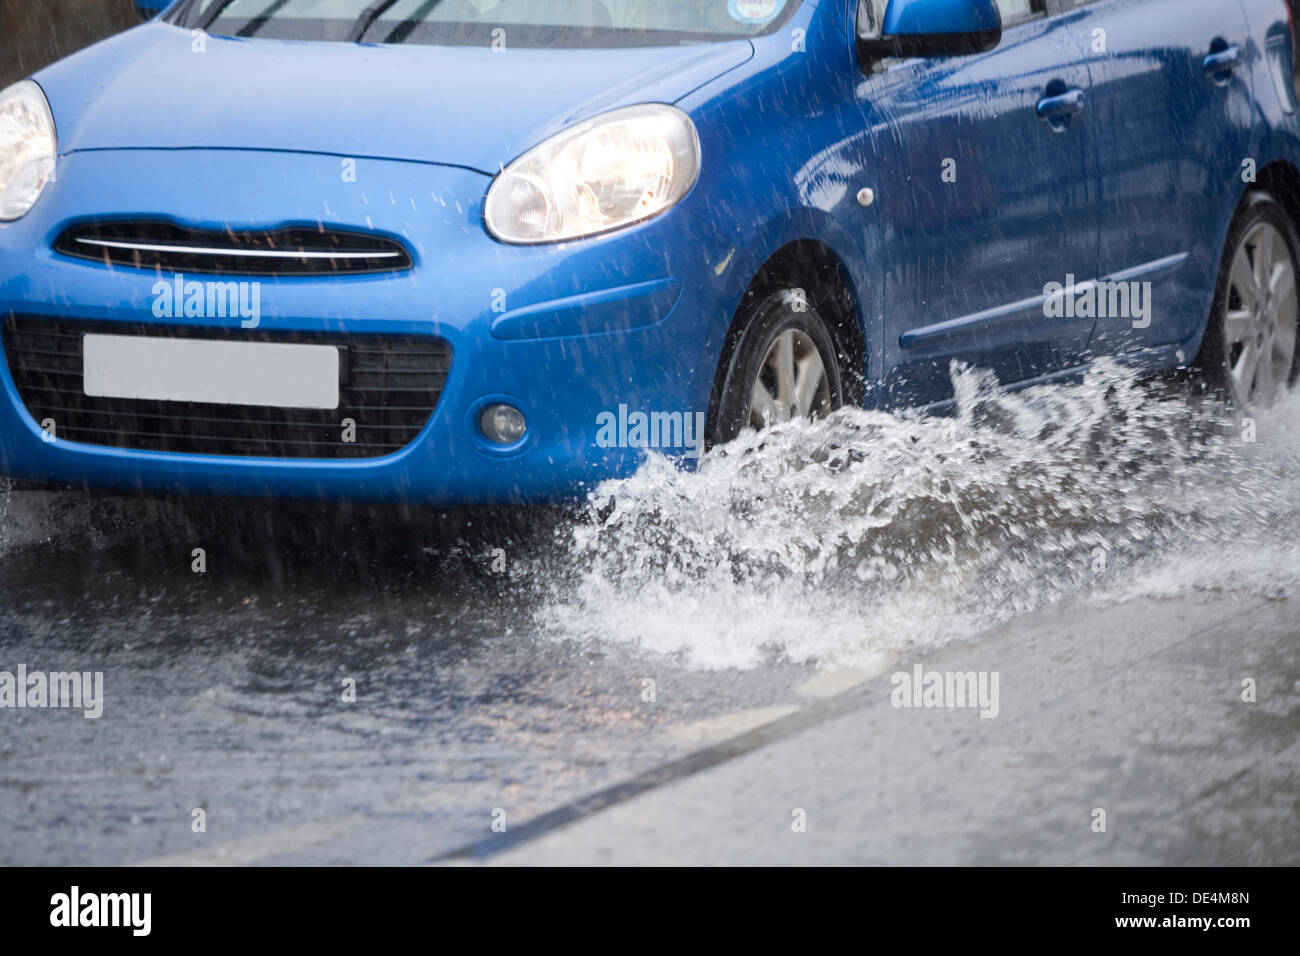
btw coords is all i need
(671, 671)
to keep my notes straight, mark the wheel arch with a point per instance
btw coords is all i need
(828, 285)
(1282, 180)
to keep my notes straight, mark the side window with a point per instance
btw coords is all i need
(1015, 9)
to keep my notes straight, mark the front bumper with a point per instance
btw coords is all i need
(634, 319)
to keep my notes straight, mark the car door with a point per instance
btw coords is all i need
(988, 195)
(1171, 107)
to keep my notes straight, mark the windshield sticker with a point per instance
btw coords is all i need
(754, 11)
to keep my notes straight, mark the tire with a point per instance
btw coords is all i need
(782, 323)
(1244, 326)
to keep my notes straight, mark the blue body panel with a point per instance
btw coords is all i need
(1051, 156)
(996, 204)
(1171, 142)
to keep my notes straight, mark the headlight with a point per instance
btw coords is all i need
(611, 171)
(27, 148)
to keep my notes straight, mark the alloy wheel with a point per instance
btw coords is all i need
(1259, 324)
(791, 382)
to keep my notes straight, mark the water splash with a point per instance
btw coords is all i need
(868, 533)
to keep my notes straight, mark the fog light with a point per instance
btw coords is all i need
(503, 424)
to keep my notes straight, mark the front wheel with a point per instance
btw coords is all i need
(783, 367)
(1249, 352)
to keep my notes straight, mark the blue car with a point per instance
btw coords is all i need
(491, 251)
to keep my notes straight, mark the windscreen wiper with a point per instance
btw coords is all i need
(259, 21)
(404, 29)
(215, 11)
(368, 16)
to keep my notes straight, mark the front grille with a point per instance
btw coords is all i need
(298, 251)
(390, 387)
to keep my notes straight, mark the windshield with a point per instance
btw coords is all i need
(495, 24)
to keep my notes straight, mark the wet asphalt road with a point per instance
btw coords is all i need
(223, 691)
(1134, 709)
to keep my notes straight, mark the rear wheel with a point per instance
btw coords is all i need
(1249, 351)
(783, 367)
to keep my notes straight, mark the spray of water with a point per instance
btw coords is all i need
(841, 541)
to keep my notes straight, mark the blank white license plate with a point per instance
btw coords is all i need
(203, 370)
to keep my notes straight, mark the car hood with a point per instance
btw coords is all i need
(461, 106)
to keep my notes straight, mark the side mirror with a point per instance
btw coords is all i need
(148, 9)
(935, 28)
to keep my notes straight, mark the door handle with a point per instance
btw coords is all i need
(1057, 110)
(1222, 62)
